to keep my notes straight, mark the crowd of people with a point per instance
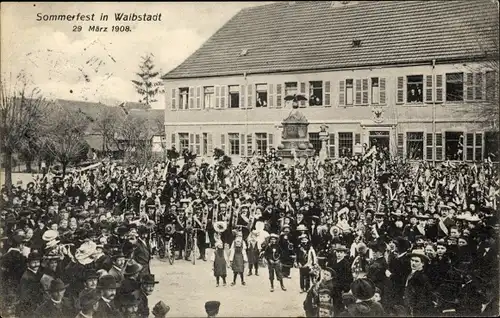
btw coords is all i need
(370, 235)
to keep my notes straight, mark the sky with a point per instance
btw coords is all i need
(99, 66)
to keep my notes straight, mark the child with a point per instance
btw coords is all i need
(253, 253)
(238, 258)
(220, 264)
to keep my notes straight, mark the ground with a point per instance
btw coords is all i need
(186, 287)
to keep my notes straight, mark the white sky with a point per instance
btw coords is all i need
(58, 59)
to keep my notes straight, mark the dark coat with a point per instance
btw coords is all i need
(107, 310)
(364, 309)
(13, 265)
(253, 253)
(418, 294)
(48, 309)
(344, 274)
(376, 272)
(143, 307)
(142, 255)
(30, 293)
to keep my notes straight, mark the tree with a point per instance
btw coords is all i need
(105, 124)
(149, 84)
(65, 137)
(22, 111)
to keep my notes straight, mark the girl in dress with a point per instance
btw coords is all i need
(238, 258)
(220, 264)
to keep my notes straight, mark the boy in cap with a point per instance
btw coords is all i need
(212, 308)
(272, 253)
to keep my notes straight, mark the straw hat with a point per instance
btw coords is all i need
(84, 253)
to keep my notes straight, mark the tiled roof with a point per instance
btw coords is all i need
(316, 35)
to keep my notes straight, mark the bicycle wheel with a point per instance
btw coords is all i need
(193, 251)
(161, 247)
(170, 252)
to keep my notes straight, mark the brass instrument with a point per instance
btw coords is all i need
(204, 218)
(170, 229)
(220, 226)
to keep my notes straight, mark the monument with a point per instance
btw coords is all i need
(294, 138)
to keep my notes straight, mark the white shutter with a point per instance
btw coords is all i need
(270, 97)
(217, 96)
(173, 97)
(400, 90)
(341, 93)
(302, 91)
(428, 88)
(223, 96)
(382, 98)
(469, 86)
(191, 97)
(242, 145)
(439, 88)
(223, 143)
(191, 143)
(210, 145)
(358, 91)
(279, 98)
(242, 96)
(199, 94)
(250, 90)
(270, 140)
(365, 91)
(327, 88)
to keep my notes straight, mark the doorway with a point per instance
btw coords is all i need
(381, 140)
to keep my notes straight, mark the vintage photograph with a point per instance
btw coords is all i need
(249, 159)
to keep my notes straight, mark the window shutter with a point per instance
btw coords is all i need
(198, 144)
(365, 91)
(470, 147)
(270, 98)
(382, 90)
(270, 140)
(250, 90)
(173, 106)
(478, 147)
(341, 93)
(429, 148)
(173, 141)
(191, 97)
(439, 146)
(358, 92)
(223, 96)
(249, 145)
(327, 92)
(469, 88)
(439, 88)
(478, 94)
(191, 143)
(302, 86)
(331, 145)
(279, 100)
(217, 96)
(401, 90)
(428, 88)
(223, 142)
(491, 86)
(210, 145)
(198, 97)
(400, 150)
(242, 145)
(242, 96)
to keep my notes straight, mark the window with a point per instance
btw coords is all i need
(415, 145)
(261, 143)
(454, 145)
(349, 91)
(261, 96)
(315, 93)
(491, 86)
(234, 96)
(209, 97)
(454, 87)
(345, 144)
(331, 145)
(414, 88)
(375, 90)
(234, 143)
(183, 98)
(491, 145)
(290, 88)
(315, 141)
(205, 144)
(183, 141)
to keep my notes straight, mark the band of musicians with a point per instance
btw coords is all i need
(359, 241)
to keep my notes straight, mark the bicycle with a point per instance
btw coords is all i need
(191, 243)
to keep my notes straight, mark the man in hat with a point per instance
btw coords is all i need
(287, 249)
(57, 305)
(160, 310)
(90, 283)
(212, 308)
(378, 270)
(399, 267)
(118, 261)
(131, 283)
(253, 251)
(306, 260)
(363, 290)
(129, 304)
(13, 264)
(418, 289)
(30, 289)
(272, 253)
(106, 286)
(140, 251)
(148, 283)
(342, 267)
(89, 303)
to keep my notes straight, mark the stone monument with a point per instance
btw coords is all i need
(294, 138)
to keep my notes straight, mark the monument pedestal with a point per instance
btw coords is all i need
(295, 139)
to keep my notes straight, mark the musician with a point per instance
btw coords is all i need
(272, 252)
(243, 220)
(179, 237)
(199, 223)
(306, 260)
(140, 252)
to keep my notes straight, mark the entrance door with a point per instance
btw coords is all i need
(380, 139)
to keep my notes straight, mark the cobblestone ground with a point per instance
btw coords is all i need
(186, 287)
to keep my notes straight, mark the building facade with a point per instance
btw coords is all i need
(432, 105)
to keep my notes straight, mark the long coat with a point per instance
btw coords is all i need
(107, 310)
(377, 274)
(49, 309)
(142, 256)
(418, 294)
(344, 274)
(30, 293)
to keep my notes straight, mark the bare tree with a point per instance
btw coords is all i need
(65, 138)
(22, 111)
(105, 124)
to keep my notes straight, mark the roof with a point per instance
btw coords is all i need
(314, 35)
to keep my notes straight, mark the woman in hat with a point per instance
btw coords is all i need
(418, 288)
(219, 263)
(238, 258)
(57, 305)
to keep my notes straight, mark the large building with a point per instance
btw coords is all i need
(418, 77)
